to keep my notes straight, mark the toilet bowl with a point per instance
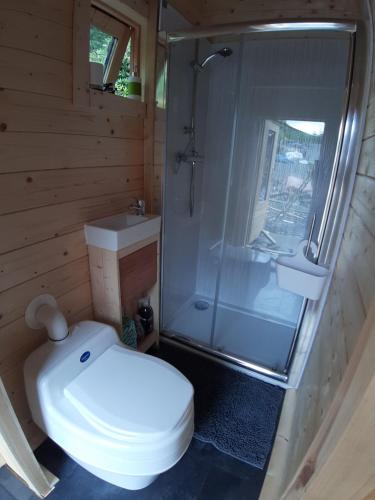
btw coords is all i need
(122, 415)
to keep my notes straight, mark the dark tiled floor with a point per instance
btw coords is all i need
(202, 474)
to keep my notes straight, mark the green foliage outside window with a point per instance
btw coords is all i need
(121, 85)
(101, 45)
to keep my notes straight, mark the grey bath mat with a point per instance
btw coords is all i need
(236, 413)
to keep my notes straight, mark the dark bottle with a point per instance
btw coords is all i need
(146, 315)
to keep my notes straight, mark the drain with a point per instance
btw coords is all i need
(201, 305)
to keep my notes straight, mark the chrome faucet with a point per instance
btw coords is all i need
(138, 207)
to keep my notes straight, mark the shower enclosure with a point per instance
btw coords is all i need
(253, 137)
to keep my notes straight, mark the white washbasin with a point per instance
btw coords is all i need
(121, 230)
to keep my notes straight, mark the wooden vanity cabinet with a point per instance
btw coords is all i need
(120, 279)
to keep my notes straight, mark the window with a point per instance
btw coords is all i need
(101, 46)
(114, 44)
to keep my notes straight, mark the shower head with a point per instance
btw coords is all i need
(224, 52)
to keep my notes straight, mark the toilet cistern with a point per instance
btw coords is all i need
(43, 312)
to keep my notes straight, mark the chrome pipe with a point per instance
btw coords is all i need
(276, 26)
(267, 372)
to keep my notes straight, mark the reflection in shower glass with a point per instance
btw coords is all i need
(263, 179)
(268, 161)
(292, 183)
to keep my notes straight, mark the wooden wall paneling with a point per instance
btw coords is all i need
(24, 151)
(81, 43)
(340, 459)
(107, 104)
(51, 10)
(29, 262)
(40, 36)
(16, 451)
(33, 226)
(112, 102)
(363, 202)
(13, 376)
(149, 125)
(352, 310)
(22, 191)
(17, 340)
(367, 492)
(159, 153)
(71, 121)
(366, 164)
(359, 253)
(75, 305)
(370, 120)
(35, 73)
(56, 282)
(158, 189)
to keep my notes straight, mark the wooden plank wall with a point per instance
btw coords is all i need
(60, 166)
(339, 464)
(349, 299)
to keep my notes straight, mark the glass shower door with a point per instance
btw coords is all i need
(191, 241)
(289, 108)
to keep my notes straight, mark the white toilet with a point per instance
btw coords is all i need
(122, 415)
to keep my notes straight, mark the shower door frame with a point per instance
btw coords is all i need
(340, 189)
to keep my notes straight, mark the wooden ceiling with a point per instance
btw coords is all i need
(216, 12)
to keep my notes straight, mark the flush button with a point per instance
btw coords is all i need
(85, 356)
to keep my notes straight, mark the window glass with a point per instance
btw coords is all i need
(121, 85)
(101, 46)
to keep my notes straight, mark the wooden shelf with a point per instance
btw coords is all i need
(147, 342)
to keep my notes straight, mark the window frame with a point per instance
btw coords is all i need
(123, 31)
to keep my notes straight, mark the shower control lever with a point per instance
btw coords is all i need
(188, 157)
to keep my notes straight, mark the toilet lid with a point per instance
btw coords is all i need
(129, 393)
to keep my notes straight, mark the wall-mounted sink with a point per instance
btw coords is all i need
(121, 230)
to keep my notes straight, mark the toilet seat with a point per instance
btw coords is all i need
(130, 396)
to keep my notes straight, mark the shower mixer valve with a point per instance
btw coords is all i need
(188, 157)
